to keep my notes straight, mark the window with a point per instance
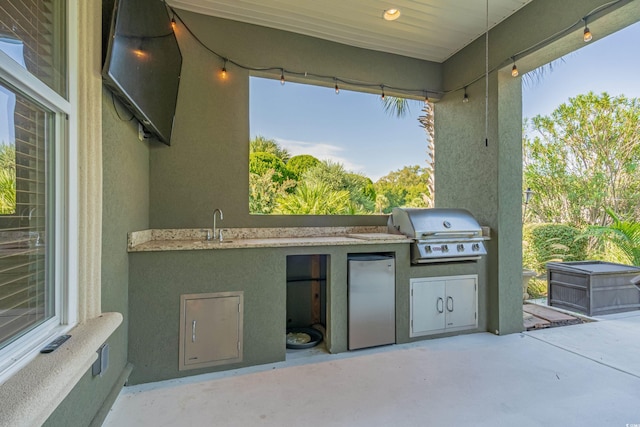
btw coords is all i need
(34, 141)
(318, 151)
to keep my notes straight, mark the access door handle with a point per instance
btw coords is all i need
(193, 331)
(450, 306)
(440, 305)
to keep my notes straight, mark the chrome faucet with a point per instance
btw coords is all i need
(217, 234)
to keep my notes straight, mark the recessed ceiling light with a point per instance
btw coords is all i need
(391, 14)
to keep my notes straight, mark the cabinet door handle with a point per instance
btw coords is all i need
(193, 331)
(440, 305)
(450, 299)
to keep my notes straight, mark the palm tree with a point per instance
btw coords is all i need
(315, 198)
(400, 107)
(625, 235)
(426, 122)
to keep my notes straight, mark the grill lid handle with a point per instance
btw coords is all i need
(449, 234)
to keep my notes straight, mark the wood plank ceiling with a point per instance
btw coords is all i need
(433, 30)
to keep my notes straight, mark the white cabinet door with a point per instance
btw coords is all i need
(443, 304)
(461, 302)
(427, 306)
(210, 329)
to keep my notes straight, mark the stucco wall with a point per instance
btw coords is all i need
(125, 208)
(207, 165)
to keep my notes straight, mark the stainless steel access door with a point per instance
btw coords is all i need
(371, 289)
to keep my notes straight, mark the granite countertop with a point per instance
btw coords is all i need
(234, 238)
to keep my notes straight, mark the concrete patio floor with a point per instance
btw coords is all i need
(580, 375)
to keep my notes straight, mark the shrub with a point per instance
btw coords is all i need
(551, 242)
(301, 163)
(537, 288)
(261, 163)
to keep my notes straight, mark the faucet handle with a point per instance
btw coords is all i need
(220, 235)
(208, 231)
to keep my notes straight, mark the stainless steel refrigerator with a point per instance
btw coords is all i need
(372, 301)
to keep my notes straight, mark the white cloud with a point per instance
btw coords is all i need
(321, 151)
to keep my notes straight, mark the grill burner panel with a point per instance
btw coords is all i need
(440, 235)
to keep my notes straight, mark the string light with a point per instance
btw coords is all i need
(465, 98)
(586, 36)
(426, 98)
(173, 23)
(514, 69)
(409, 92)
(223, 72)
(337, 88)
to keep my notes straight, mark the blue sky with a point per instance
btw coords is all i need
(352, 128)
(609, 65)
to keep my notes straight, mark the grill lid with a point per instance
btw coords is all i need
(440, 235)
(436, 223)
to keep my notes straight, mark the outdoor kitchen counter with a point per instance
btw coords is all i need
(165, 265)
(194, 239)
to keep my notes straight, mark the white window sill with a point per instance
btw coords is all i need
(30, 396)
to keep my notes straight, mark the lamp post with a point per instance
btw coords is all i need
(527, 197)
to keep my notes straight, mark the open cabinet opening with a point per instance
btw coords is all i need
(306, 304)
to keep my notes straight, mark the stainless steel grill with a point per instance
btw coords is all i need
(440, 235)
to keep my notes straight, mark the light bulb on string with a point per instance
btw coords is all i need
(465, 98)
(282, 77)
(586, 36)
(514, 69)
(426, 98)
(173, 23)
(223, 72)
(337, 88)
(382, 95)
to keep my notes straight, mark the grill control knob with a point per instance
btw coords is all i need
(445, 248)
(460, 247)
(475, 247)
(428, 249)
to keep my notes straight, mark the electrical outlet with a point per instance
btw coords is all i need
(102, 362)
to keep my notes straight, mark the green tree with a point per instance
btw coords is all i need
(400, 107)
(407, 187)
(393, 105)
(264, 191)
(301, 163)
(260, 144)
(583, 157)
(622, 234)
(359, 187)
(261, 163)
(7, 179)
(269, 177)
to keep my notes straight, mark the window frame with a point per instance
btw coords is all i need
(64, 152)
